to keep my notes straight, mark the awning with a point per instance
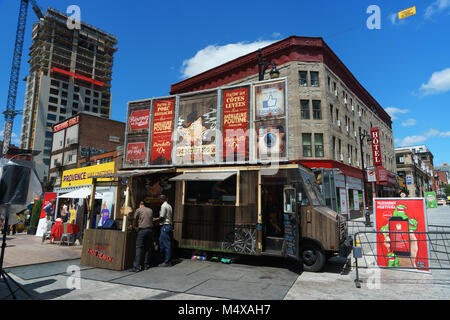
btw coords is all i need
(132, 173)
(81, 194)
(204, 176)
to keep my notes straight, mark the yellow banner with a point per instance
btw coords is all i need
(83, 176)
(407, 13)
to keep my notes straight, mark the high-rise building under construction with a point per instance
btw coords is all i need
(70, 72)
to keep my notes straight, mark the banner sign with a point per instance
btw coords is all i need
(83, 176)
(196, 129)
(431, 200)
(376, 147)
(139, 120)
(400, 244)
(162, 132)
(136, 151)
(270, 120)
(42, 218)
(235, 123)
(66, 124)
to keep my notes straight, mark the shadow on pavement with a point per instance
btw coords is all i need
(31, 288)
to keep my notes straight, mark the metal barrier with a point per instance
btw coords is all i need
(437, 239)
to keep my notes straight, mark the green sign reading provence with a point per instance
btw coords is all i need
(431, 199)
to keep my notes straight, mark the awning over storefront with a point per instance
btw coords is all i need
(81, 194)
(132, 173)
(204, 176)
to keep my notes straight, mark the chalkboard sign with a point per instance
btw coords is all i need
(290, 235)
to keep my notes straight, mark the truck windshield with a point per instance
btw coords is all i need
(313, 188)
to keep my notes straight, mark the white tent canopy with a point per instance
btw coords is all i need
(82, 193)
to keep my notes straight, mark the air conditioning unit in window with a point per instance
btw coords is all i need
(357, 163)
(342, 157)
(339, 123)
(336, 93)
(356, 134)
(353, 108)
(350, 160)
(345, 101)
(360, 114)
(348, 129)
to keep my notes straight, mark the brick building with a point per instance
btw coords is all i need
(82, 138)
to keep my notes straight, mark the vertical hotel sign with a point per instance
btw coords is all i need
(235, 123)
(376, 147)
(162, 132)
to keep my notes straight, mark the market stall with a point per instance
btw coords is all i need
(115, 248)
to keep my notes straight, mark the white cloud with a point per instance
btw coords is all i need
(393, 112)
(414, 140)
(14, 138)
(436, 7)
(214, 55)
(438, 83)
(409, 123)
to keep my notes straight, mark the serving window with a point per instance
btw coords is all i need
(209, 188)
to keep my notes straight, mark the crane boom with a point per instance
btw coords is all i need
(11, 112)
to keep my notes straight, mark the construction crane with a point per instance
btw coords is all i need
(11, 112)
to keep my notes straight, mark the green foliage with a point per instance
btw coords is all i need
(447, 190)
(36, 213)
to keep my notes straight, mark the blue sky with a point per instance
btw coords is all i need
(405, 65)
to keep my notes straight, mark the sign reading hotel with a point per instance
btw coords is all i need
(83, 176)
(235, 123)
(376, 147)
(66, 124)
(162, 132)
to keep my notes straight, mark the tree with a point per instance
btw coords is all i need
(447, 190)
(36, 213)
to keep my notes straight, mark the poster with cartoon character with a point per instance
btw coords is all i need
(401, 242)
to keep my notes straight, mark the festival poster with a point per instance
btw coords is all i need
(431, 200)
(195, 135)
(42, 218)
(401, 243)
(162, 130)
(235, 117)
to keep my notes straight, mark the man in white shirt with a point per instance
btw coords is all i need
(165, 237)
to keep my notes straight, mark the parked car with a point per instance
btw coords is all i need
(441, 201)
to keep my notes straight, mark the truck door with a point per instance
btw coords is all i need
(291, 222)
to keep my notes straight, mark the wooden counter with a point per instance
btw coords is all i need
(108, 249)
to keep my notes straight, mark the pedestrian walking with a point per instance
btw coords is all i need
(143, 222)
(165, 237)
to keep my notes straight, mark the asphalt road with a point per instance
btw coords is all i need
(254, 278)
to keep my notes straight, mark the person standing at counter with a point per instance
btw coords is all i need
(48, 209)
(143, 221)
(165, 238)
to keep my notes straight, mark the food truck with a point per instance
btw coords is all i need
(227, 161)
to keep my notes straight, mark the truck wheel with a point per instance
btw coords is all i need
(313, 258)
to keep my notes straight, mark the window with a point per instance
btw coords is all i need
(48, 143)
(63, 111)
(62, 118)
(337, 114)
(306, 140)
(64, 102)
(304, 109)
(64, 94)
(65, 86)
(314, 78)
(52, 108)
(51, 117)
(303, 78)
(48, 134)
(329, 83)
(75, 105)
(76, 89)
(54, 91)
(95, 102)
(76, 97)
(87, 100)
(95, 94)
(331, 112)
(317, 110)
(87, 108)
(54, 83)
(334, 148)
(53, 100)
(95, 110)
(318, 145)
(203, 192)
(88, 92)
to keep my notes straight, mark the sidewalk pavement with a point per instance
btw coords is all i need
(23, 249)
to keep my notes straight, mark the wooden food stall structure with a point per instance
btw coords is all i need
(115, 248)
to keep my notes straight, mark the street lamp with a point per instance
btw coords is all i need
(263, 65)
(362, 137)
